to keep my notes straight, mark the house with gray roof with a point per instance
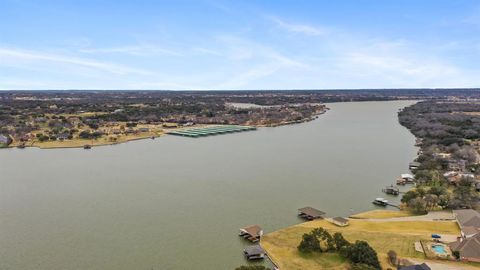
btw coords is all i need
(5, 139)
(469, 222)
(468, 248)
(422, 266)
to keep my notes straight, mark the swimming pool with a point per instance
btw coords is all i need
(439, 249)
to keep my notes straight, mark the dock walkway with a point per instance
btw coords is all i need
(210, 130)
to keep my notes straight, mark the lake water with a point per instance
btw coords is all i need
(177, 203)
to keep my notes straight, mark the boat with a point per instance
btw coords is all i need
(391, 190)
(380, 201)
(87, 146)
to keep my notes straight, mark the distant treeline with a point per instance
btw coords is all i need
(264, 97)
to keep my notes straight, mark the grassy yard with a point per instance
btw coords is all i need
(105, 140)
(381, 214)
(382, 236)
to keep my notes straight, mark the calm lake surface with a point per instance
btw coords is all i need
(177, 203)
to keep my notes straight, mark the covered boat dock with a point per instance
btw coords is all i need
(251, 233)
(310, 213)
(210, 130)
(254, 252)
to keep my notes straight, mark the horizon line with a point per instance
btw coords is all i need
(240, 90)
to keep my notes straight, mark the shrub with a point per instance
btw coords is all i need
(392, 257)
(339, 241)
(361, 253)
(310, 243)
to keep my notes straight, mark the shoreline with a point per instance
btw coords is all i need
(80, 143)
(387, 232)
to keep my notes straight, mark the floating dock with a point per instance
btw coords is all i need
(210, 130)
(310, 213)
(391, 190)
(252, 233)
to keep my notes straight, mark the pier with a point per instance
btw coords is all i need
(210, 130)
(310, 213)
(251, 233)
(391, 190)
(254, 252)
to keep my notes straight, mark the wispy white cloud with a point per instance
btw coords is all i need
(137, 50)
(10, 56)
(381, 63)
(206, 51)
(299, 28)
(260, 61)
(249, 76)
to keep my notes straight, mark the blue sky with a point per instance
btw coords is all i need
(209, 44)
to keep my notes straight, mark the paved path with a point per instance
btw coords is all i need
(440, 265)
(431, 216)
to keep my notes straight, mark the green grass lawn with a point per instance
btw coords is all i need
(382, 214)
(382, 236)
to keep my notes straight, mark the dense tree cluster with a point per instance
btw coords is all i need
(449, 132)
(443, 123)
(359, 253)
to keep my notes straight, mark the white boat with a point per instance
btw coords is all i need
(380, 201)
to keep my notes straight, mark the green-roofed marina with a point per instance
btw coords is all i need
(210, 130)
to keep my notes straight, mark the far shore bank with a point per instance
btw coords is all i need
(80, 143)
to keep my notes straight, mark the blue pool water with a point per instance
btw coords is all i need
(439, 249)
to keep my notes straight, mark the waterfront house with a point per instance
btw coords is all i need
(422, 266)
(418, 141)
(441, 155)
(340, 221)
(456, 165)
(310, 213)
(467, 175)
(450, 174)
(252, 233)
(63, 136)
(5, 139)
(453, 179)
(40, 120)
(469, 222)
(469, 249)
(414, 165)
(254, 252)
(144, 129)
